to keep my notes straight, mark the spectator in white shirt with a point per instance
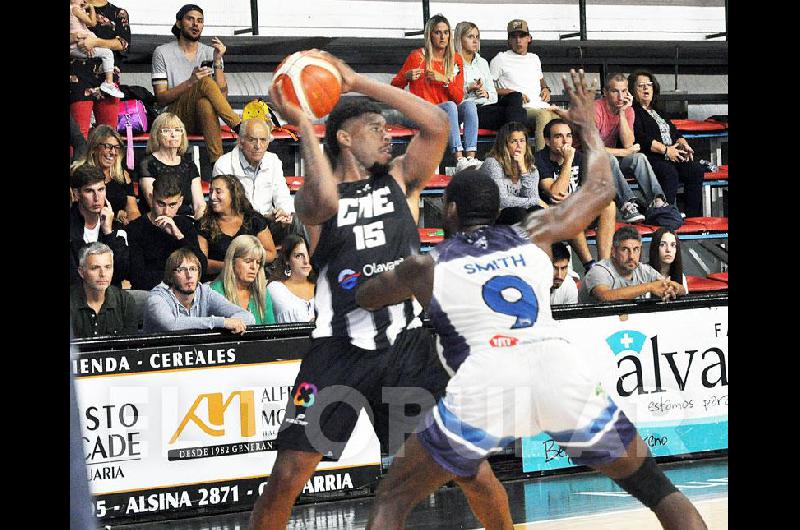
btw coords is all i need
(261, 174)
(564, 290)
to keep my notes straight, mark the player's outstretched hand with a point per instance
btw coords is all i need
(581, 99)
(288, 110)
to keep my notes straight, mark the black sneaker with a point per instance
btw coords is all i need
(630, 213)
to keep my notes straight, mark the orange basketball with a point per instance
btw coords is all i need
(310, 82)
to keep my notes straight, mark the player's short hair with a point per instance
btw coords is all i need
(625, 233)
(549, 126)
(338, 116)
(167, 184)
(560, 251)
(92, 249)
(86, 175)
(476, 196)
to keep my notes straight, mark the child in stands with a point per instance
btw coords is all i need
(81, 18)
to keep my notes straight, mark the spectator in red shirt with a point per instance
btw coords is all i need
(436, 74)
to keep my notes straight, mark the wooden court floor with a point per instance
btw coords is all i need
(580, 501)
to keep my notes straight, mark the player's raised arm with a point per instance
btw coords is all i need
(574, 214)
(318, 199)
(424, 152)
(414, 276)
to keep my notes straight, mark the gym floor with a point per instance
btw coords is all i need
(574, 502)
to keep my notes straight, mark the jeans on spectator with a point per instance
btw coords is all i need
(624, 192)
(105, 55)
(507, 109)
(200, 109)
(106, 111)
(540, 117)
(690, 173)
(637, 165)
(454, 112)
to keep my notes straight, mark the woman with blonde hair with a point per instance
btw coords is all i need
(229, 215)
(493, 111)
(166, 148)
(510, 164)
(242, 279)
(293, 281)
(436, 74)
(104, 150)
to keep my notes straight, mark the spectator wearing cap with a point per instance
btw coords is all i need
(518, 70)
(193, 92)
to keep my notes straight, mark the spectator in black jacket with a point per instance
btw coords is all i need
(91, 219)
(159, 232)
(97, 307)
(668, 152)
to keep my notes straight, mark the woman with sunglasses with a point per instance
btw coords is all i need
(104, 150)
(166, 148)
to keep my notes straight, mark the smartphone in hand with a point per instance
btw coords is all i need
(207, 64)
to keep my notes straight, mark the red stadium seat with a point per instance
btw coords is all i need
(487, 132)
(206, 186)
(711, 224)
(689, 227)
(698, 284)
(439, 181)
(294, 183)
(718, 276)
(699, 126)
(432, 236)
(720, 174)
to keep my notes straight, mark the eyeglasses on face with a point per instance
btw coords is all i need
(649, 84)
(184, 270)
(170, 130)
(109, 147)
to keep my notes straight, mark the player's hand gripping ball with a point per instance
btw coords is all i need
(310, 82)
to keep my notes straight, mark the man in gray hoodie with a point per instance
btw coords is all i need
(182, 302)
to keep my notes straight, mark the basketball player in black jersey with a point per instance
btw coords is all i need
(361, 209)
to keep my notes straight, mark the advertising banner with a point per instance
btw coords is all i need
(191, 429)
(668, 371)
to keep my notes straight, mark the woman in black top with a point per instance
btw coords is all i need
(667, 150)
(104, 150)
(165, 149)
(112, 31)
(229, 214)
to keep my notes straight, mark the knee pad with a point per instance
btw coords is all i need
(648, 484)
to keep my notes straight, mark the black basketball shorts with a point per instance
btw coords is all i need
(395, 386)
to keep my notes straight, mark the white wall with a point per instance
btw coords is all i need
(606, 19)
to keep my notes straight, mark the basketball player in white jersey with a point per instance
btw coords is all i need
(487, 292)
(360, 207)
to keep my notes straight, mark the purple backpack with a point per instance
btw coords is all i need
(132, 118)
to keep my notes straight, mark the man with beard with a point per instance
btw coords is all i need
(624, 277)
(361, 207)
(562, 292)
(186, 87)
(182, 302)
